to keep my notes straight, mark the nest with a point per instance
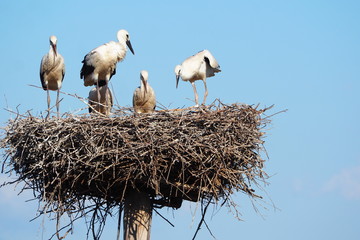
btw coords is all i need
(205, 154)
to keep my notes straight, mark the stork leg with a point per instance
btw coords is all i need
(48, 103)
(98, 94)
(109, 103)
(195, 93)
(107, 94)
(57, 103)
(206, 91)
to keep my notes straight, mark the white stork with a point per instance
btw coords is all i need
(197, 67)
(144, 100)
(99, 65)
(104, 105)
(52, 71)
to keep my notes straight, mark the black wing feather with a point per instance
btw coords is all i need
(113, 73)
(86, 68)
(207, 61)
(42, 73)
(63, 75)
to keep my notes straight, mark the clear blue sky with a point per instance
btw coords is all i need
(301, 55)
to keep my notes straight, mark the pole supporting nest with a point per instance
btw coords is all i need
(137, 216)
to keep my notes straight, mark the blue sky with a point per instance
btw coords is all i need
(303, 56)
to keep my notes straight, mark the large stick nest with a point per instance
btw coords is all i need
(191, 155)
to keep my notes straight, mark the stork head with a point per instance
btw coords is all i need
(144, 75)
(177, 73)
(53, 42)
(123, 36)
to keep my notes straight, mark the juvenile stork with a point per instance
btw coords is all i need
(99, 65)
(104, 105)
(144, 100)
(197, 67)
(52, 71)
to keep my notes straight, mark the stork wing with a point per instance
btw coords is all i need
(63, 73)
(43, 69)
(87, 67)
(208, 57)
(90, 61)
(97, 55)
(62, 68)
(137, 97)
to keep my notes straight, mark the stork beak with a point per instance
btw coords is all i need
(54, 49)
(177, 80)
(128, 43)
(145, 85)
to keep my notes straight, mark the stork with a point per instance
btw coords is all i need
(144, 99)
(105, 104)
(197, 67)
(52, 71)
(99, 65)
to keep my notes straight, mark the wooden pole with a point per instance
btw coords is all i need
(137, 216)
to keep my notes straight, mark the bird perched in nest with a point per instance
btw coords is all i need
(52, 72)
(197, 67)
(105, 104)
(99, 65)
(144, 100)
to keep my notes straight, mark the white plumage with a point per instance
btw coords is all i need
(144, 99)
(99, 65)
(106, 103)
(197, 67)
(52, 71)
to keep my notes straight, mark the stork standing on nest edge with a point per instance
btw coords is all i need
(197, 67)
(144, 99)
(52, 72)
(99, 65)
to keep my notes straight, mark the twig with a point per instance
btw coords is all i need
(164, 217)
(202, 220)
